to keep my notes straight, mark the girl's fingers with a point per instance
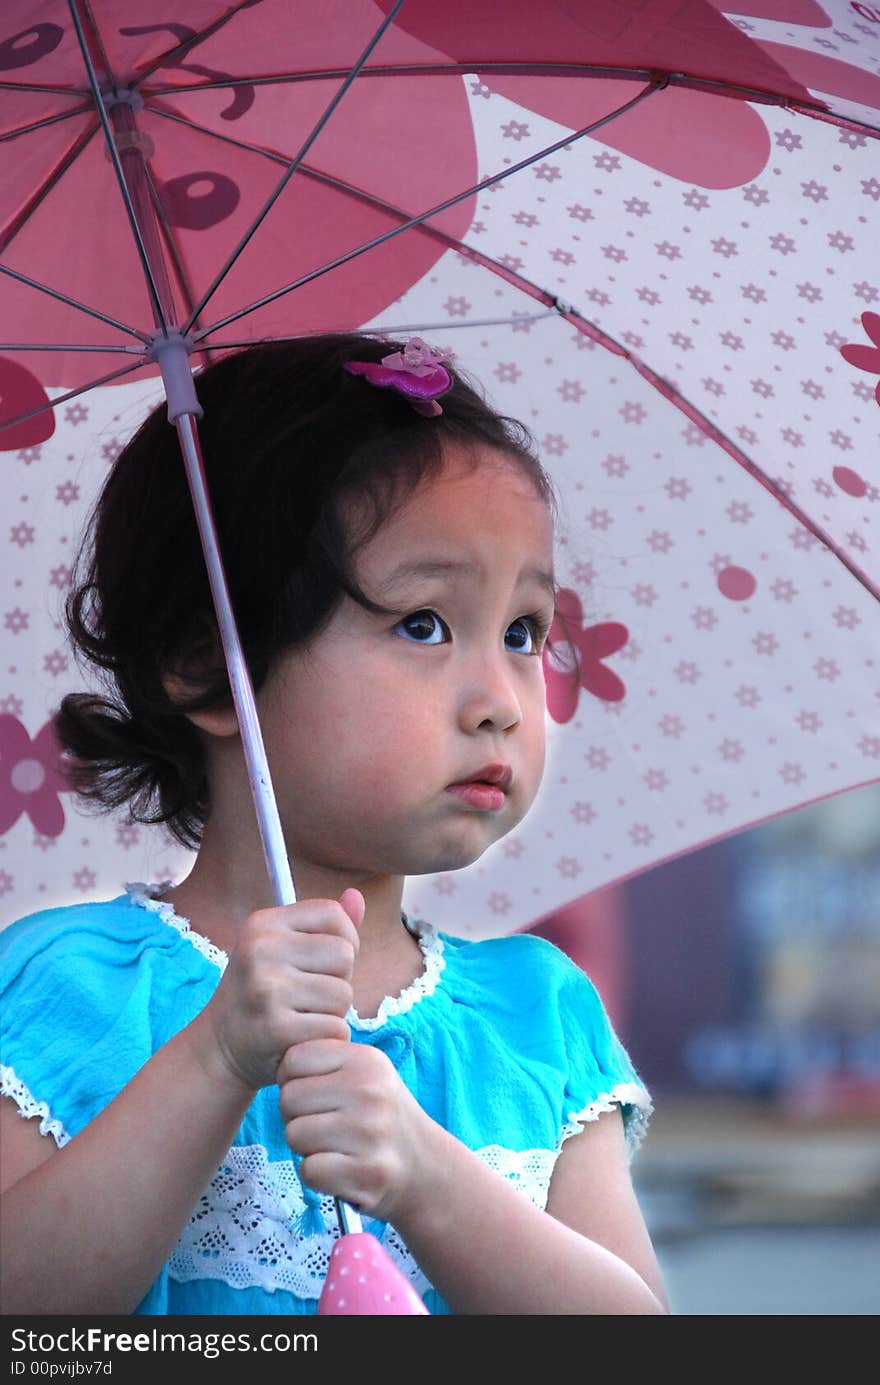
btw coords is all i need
(354, 905)
(318, 1025)
(324, 955)
(316, 1058)
(320, 1134)
(312, 1096)
(336, 1174)
(320, 995)
(314, 916)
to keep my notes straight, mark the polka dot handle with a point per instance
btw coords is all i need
(363, 1280)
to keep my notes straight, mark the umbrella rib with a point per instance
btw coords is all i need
(170, 242)
(669, 392)
(86, 7)
(71, 394)
(41, 193)
(152, 287)
(466, 69)
(468, 252)
(294, 165)
(36, 86)
(690, 411)
(41, 124)
(73, 303)
(680, 79)
(475, 67)
(440, 207)
(200, 129)
(386, 331)
(658, 382)
(54, 346)
(518, 319)
(842, 122)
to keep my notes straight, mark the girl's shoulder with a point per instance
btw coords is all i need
(551, 1017)
(87, 959)
(98, 931)
(68, 935)
(57, 922)
(88, 992)
(520, 969)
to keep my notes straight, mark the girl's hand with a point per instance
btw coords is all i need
(288, 982)
(362, 1132)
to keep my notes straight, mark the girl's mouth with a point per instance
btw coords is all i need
(477, 794)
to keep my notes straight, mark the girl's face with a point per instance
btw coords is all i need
(367, 729)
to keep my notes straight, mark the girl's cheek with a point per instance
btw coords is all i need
(384, 766)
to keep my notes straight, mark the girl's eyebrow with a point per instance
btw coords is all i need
(444, 567)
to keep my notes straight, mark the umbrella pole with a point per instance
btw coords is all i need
(126, 146)
(268, 817)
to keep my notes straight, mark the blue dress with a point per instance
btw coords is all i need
(504, 1042)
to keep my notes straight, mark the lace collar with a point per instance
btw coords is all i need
(429, 940)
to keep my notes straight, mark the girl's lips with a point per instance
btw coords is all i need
(489, 797)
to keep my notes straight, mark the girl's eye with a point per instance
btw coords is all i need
(422, 627)
(524, 636)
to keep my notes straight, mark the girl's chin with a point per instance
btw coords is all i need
(452, 855)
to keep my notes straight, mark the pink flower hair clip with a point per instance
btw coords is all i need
(416, 372)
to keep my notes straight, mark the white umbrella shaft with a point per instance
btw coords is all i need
(268, 818)
(271, 835)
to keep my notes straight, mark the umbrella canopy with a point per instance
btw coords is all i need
(649, 230)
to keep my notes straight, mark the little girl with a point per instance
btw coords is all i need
(211, 1072)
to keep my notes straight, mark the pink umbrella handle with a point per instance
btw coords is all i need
(362, 1280)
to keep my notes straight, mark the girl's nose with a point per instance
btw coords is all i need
(489, 696)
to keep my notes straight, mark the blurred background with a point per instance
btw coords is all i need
(744, 980)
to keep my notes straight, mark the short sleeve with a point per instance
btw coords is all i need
(87, 995)
(526, 1037)
(600, 1073)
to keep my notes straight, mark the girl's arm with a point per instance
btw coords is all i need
(86, 1228)
(487, 1250)
(481, 1243)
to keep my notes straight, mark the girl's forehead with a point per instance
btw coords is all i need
(487, 509)
(473, 490)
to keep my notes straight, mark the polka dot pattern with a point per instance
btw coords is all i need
(362, 1280)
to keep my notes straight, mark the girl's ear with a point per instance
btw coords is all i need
(214, 721)
(218, 721)
(190, 670)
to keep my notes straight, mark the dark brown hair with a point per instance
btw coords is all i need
(288, 437)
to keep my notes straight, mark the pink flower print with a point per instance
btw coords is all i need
(20, 392)
(866, 357)
(573, 658)
(691, 134)
(30, 777)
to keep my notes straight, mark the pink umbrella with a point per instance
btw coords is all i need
(647, 229)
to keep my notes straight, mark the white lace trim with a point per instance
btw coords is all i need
(243, 1230)
(430, 943)
(622, 1094)
(432, 949)
(28, 1106)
